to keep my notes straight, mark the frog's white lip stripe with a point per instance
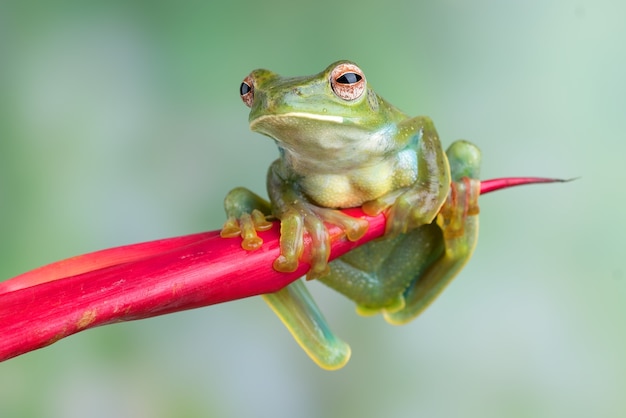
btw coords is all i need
(304, 115)
(328, 118)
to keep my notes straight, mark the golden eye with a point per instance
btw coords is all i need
(246, 90)
(347, 81)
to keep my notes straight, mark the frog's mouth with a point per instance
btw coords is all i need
(315, 134)
(297, 116)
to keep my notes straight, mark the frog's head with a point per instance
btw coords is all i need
(326, 111)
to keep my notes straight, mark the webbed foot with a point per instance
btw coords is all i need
(246, 215)
(302, 219)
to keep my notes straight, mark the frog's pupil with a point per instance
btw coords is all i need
(349, 78)
(244, 89)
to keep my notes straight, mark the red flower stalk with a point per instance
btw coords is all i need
(143, 280)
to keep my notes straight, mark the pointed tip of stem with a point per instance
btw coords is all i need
(492, 185)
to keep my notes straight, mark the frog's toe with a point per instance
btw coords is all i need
(374, 207)
(231, 228)
(285, 264)
(395, 305)
(397, 217)
(291, 243)
(377, 206)
(320, 248)
(260, 221)
(251, 243)
(318, 270)
(367, 311)
(354, 228)
(251, 240)
(246, 226)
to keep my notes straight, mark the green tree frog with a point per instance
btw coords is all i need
(340, 146)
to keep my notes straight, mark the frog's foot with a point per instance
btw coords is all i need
(302, 219)
(246, 226)
(407, 208)
(244, 210)
(394, 306)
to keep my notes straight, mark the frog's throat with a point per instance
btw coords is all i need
(301, 115)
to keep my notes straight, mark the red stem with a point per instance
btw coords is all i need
(154, 278)
(203, 272)
(487, 186)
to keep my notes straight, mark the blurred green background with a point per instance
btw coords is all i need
(120, 122)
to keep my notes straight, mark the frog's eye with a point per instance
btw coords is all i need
(347, 81)
(246, 90)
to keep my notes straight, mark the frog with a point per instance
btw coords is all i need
(341, 145)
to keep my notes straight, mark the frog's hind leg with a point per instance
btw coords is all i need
(377, 274)
(298, 311)
(458, 221)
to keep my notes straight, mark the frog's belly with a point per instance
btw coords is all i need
(359, 186)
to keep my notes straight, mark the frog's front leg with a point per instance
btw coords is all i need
(293, 304)
(410, 207)
(298, 216)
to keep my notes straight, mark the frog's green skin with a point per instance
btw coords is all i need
(341, 145)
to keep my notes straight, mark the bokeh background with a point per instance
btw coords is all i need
(120, 122)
